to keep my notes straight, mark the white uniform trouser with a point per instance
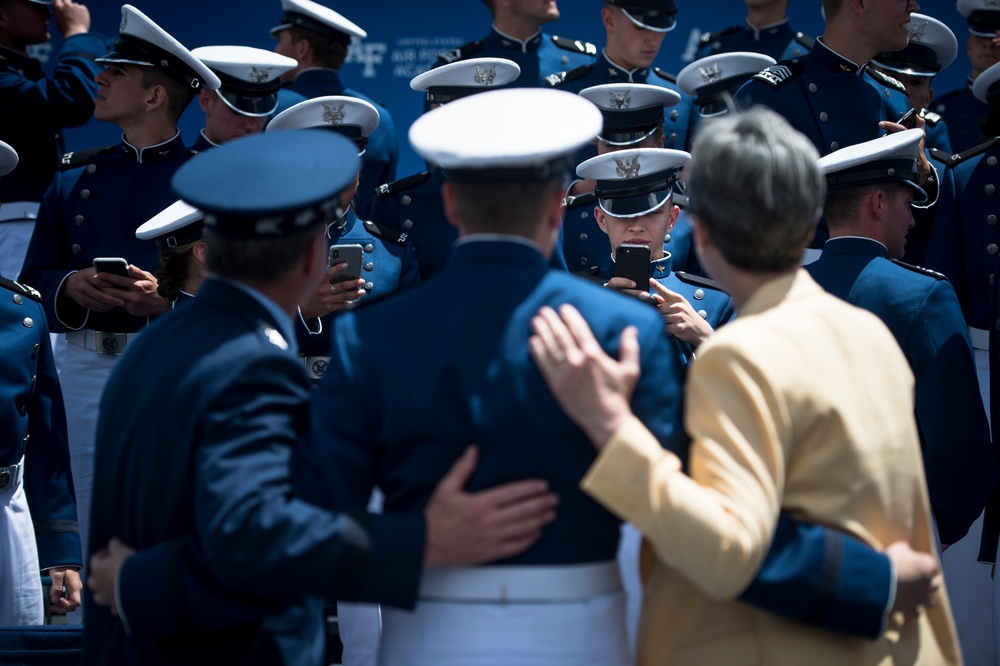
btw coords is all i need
(83, 376)
(20, 581)
(629, 545)
(970, 589)
(360, 625)
(554, 624)
(17, 221)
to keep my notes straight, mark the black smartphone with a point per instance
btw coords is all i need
(349, 253)
(632, 262)
(908, 119)
(113, 265)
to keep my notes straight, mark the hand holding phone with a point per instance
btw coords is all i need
(112, 265)
(350, 254)
(908, 119)
(632, 263)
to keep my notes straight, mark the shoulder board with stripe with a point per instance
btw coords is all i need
(709, 37)
(779, 74)
(665, 75)
(22, 289)
(588, 198)
(462, 52)
(930, 117)
(576, 45)
(921, 270)
(885, 79)
(78, 158)
(386, 189)
(699, 281)
(559, 78)
(805, 40)
(958, 158)
(384, 232)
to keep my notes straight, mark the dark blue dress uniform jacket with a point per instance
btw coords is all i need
(378, 164)
(194, 473)
(33, 110)
(34, 425)
(388, 264)
(826, 97)
(476, 384)
(92, 210)
(964, 240)
(921, 310)
(963, 113)
(779, 41)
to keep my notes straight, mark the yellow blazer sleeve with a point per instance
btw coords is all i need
(716, 525)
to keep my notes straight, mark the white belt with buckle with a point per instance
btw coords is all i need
(101, 342)
(10, 477)
(980, 338)
(500, 584)
(315, 365)
(19, 211)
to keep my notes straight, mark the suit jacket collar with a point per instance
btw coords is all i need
(855, 245)
(833, 61)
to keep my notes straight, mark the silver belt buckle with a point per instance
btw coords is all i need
(110, 343)
(7, 475)
(315, 366)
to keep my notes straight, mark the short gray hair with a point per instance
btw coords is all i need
(756, 186)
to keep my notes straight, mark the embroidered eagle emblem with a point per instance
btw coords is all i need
(484, 77)
(260, 74)
(711, 74)
(627, 168)
(915, 29)
(620, 100)
(334, 115)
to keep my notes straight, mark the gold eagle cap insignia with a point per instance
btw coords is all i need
(484, 77)
(620, 100)
(711, 74)
(334, 115)
(627, 168)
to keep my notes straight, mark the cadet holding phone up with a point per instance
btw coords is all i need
(636, 210)
(366, 261)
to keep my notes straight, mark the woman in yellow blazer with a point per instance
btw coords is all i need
(803, 403)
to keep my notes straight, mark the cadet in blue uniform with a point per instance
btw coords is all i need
(635, 206)
(177, 233)
(517, 35)
(38, 526)
(318, 38)
(247, 96)
(870, 188)
(92, 210)
(508, 208)
(633, 118)
(831, 94)
(960, 108)
(388, 262)
(34, 108)
(412, 205)
(766, 30)
(932, 47)
(635, 32)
